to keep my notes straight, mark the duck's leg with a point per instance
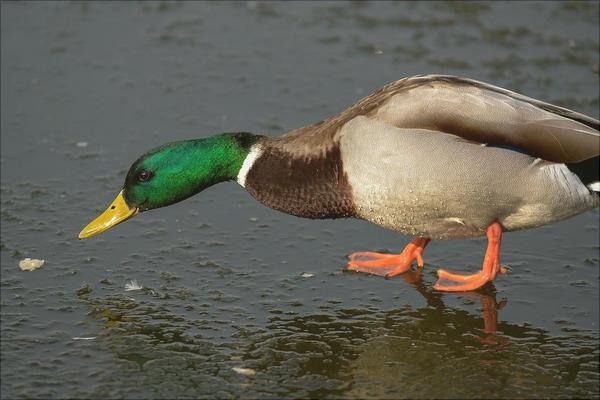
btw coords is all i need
(491, 266)
(389, 265)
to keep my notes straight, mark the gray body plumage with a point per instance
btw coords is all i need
(420, 156)
(437, 185)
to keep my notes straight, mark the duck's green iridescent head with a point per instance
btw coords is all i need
(174, 172)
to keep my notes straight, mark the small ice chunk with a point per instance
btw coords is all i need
(132, 285)
(244, 371)
(307, 275)
(253, 219)
(30, 264)
(81, 144)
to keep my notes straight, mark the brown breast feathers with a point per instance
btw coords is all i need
(310, 186)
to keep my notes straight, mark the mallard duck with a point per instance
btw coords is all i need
(435, 156)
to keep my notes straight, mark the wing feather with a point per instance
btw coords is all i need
(490, 115)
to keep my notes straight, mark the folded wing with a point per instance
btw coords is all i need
(489, 115)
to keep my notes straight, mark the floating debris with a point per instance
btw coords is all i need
(81, 144)
(133, 285)
(84, 338)
(244, 371)
(307, 275)
(30, 264)
(82, 291)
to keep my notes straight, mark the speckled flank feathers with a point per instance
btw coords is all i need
(445, 187)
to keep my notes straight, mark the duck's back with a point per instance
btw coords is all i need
(467, 108)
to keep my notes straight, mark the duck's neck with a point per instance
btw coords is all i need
(310, 185)
(238, 148)
(220, 158)
(253, 154)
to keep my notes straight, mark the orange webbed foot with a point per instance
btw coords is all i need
(491, 267)
(464, 282)
(388, 265)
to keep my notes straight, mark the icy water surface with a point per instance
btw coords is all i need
(226, 283)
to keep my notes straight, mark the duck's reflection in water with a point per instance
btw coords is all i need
(486, 296)
(433, 351)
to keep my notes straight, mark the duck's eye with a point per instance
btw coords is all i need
(144, 176)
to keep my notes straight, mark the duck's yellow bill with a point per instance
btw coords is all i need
(118, 212)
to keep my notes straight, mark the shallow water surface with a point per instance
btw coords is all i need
(226, 283)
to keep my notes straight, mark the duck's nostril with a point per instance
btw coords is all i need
(112, 207)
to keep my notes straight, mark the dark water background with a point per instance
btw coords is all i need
(222, 275)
